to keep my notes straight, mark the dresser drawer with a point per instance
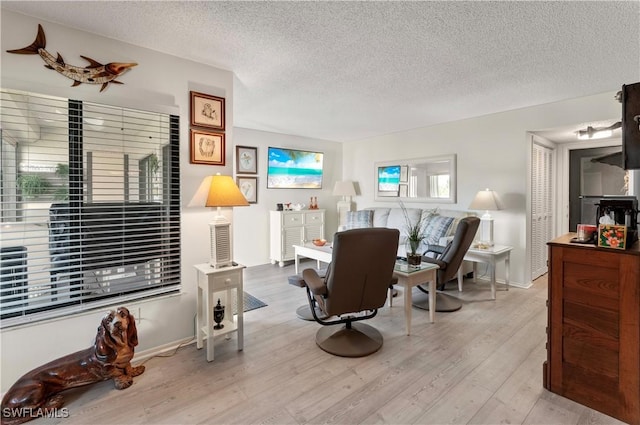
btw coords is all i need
(227, 281)
(313, 217)
(293, 219)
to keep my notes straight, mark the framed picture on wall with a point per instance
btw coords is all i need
(249, 188)
(207, 147)
(207, 111)
(246, 160)
(404, 174)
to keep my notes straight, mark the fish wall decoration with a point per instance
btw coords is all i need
(94, 73)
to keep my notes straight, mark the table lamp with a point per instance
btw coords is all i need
(220, 191)
(346, 190)
(486, 200)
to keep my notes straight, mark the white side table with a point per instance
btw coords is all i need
(490, 256)
(210, 281)
(408, 277)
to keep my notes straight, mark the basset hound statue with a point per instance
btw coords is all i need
(108, 358)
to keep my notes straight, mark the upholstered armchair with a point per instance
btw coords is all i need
(355, 286)
(449, 259)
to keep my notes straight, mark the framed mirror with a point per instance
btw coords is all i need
(430, 179)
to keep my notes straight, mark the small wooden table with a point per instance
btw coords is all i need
(410, 276)
(318, 253)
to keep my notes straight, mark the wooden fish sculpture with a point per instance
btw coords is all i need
(95, 73)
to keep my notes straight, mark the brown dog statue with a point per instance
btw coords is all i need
(37, 393)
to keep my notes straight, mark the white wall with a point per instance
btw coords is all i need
(251, 224)
(159, 83)
(492, 152)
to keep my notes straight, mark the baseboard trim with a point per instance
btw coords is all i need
(163, 349)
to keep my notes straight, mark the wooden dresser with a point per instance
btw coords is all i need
(593, 333)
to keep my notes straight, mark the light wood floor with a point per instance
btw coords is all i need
(479, 365)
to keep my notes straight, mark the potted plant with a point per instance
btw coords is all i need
(415, 235)
(32, 185)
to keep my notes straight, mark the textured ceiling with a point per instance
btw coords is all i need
(350, 70)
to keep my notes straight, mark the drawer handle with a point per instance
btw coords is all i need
(227, 281)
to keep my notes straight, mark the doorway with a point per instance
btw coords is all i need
(593, 173)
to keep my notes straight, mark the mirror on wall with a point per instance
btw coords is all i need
(429, 179)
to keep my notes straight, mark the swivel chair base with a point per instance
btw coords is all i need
(444, 303)
(357, 341)
(304, 312)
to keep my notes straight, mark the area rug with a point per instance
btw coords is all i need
(251, 302)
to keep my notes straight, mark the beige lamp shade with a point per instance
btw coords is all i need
(344, 188)
(218, 191)
(485, 200)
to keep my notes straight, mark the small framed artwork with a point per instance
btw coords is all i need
(246, 160)
(207, 111)
(207, 147)
(249, 188)
(612, 236)
(404, 174)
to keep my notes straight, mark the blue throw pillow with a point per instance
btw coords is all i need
(436, 228)
(358, 219)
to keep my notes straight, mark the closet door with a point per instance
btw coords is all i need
(542, 206)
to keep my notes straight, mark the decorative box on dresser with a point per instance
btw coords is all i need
(290, 228)
(593, 333)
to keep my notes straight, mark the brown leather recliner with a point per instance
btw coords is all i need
(449, 259)
(355, 286)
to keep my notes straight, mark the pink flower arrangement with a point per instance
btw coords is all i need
(612, 236)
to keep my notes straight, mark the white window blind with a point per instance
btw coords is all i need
(89, 205)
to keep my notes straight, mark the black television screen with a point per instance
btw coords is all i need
(294, 169)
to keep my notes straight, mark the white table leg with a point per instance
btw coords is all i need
(199, 318)
(492, 264)
(460, 278)
(240, 319)
(506, 269)
(432, 300)
(295, 261)
(407, 307)
(209, 315)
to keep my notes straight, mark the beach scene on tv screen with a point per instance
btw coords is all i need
(294, 169)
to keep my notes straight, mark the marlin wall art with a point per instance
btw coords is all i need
(94, 73)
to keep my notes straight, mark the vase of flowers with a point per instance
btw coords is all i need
(415, 236)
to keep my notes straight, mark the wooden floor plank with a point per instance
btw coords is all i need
(479, 365)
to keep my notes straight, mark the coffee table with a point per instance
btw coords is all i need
(309, 250)
(410, 276)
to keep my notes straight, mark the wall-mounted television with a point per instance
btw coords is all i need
(294, 169)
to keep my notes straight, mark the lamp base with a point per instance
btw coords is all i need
(221, 243)
(486, 230)
(344, 206)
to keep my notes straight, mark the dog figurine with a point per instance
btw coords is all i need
(108, 358)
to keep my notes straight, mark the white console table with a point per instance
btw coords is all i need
(490, 256)
(210, 282)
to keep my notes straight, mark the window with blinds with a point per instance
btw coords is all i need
(89, 206)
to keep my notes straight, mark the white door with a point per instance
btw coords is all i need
(542, 196)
